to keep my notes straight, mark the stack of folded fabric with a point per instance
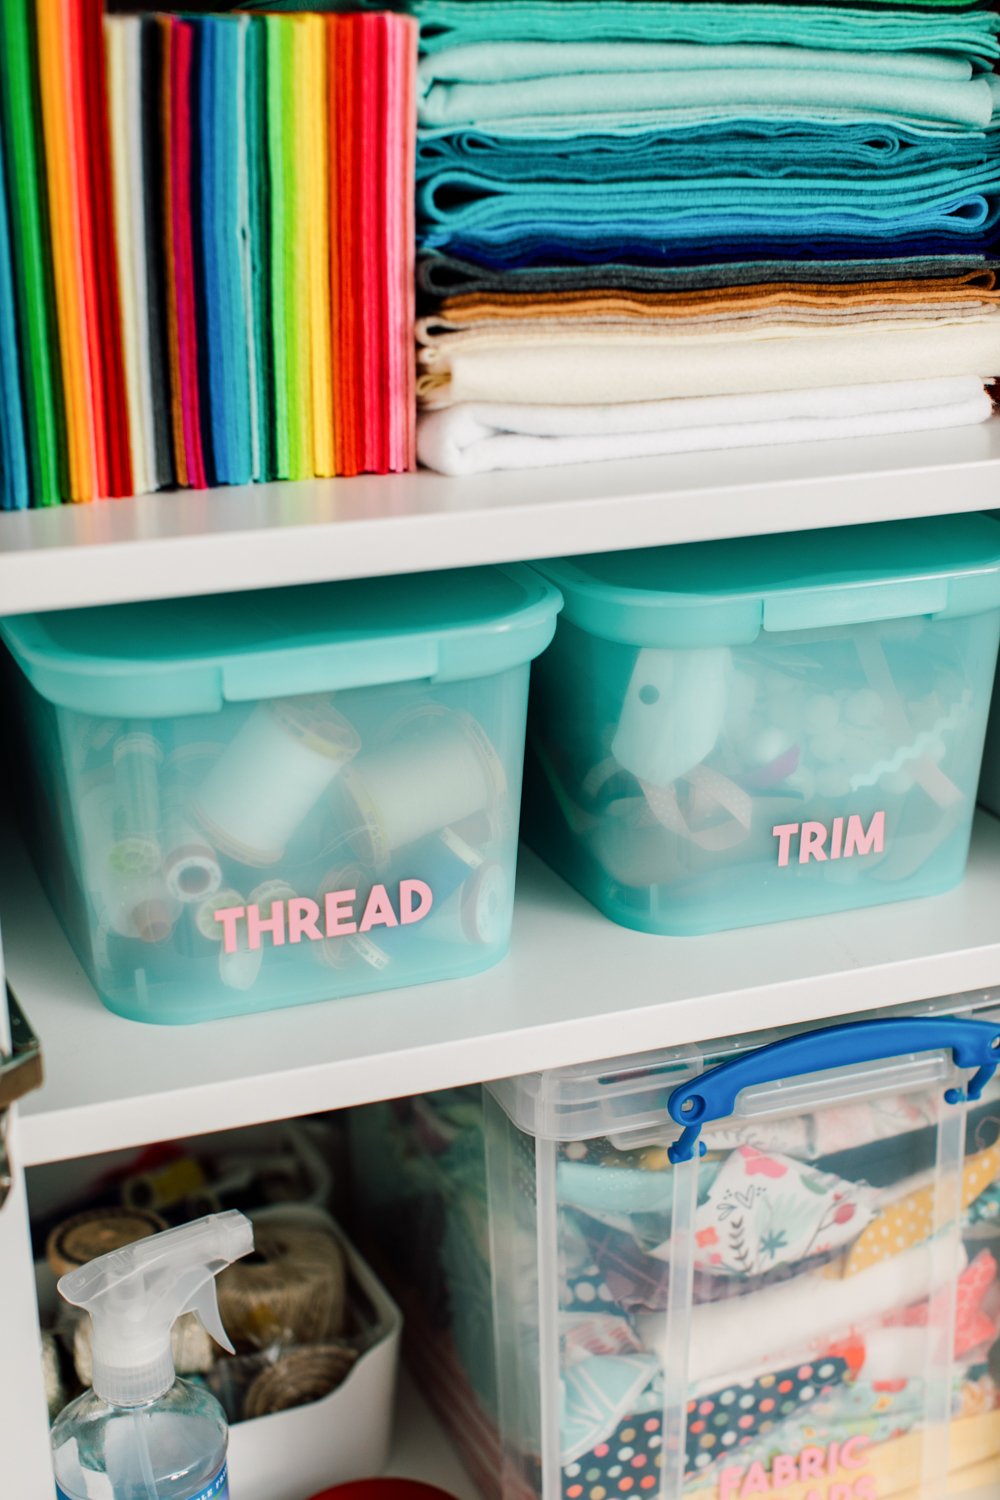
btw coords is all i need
(209, 261)
(652, 226)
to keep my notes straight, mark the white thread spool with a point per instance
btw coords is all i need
(137, 758)
(439, 770)
(270, 777)
(190, 865)
(131, 905)
(339, 952)
(205, 919)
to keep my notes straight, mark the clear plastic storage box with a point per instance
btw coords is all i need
(256, 800)
(730, 733)
(810, 1310)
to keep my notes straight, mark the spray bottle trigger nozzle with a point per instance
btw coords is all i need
(205, 1305)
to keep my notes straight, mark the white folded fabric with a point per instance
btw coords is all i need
(475, 437)
(574, 370)
(779, 1323)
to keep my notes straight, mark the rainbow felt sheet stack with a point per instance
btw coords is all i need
(206, 249)
(653, 226)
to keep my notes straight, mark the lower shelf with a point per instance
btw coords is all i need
(422, 1451)
(574, 988)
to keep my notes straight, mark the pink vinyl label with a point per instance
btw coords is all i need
(336, 914)
(845, 838)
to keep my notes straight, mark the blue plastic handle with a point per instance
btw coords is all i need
(712, 1096)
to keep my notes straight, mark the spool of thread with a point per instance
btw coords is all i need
(291, 1290)
(271, 775)
(338, 952)
(137, 759)
(439, 769)
(79, 1240)
(269, 891)
(486, 905)
(192, 1348)
(447, 863)
(298, 1378)
(55, 1391)
(174, 1183)
(205, 919)
(190, 866)
(129, 903)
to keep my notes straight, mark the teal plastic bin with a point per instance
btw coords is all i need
(731, 733)
(263, 799)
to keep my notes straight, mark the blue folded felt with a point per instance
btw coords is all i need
(223, 227)
(715, 150)
(538, 250)
(13, 443)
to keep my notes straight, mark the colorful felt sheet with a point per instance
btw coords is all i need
(13, 453)
(208, 248)
(20, 125)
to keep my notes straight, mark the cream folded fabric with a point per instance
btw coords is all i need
(566, 369)
(474, 438)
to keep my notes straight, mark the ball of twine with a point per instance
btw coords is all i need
(291, 1290)
(298, 1378)
(83, 1238)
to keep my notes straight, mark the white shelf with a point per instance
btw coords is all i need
(421, 1450)
(157, 546)
(574, 988)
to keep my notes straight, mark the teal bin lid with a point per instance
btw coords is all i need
(726, 593)
(188, 656)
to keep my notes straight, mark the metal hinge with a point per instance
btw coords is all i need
(21, 1073)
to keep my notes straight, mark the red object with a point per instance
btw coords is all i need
(384, 1489)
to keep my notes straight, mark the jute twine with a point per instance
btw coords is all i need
(298, 1378)
(291, 1290)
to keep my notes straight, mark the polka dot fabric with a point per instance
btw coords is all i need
(628, 1463)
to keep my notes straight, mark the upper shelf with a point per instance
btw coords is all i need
(574, 988)
(158, 546)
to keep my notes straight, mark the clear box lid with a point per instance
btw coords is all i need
(626, 1097)
(726, 593)
(187, 656)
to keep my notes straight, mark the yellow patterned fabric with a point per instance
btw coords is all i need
(911, 1220)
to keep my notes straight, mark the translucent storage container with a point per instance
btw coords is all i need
(256, 800)
(809, 1310)
(731, 733)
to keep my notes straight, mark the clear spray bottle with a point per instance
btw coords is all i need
(140, 1433)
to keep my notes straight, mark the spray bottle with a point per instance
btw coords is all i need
(142, 1434)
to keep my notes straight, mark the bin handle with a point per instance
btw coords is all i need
(712, 1095)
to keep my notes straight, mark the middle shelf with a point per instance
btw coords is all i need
(574, 988)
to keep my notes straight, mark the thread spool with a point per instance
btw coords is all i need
(447, 863)
(204, 916)
(298, 1378)
(291, 1290)
(137, 759)
(271, 775)
(438, 769)
(129, 903)
(83, 1238)
(172, 1184)
(191, 869)
(338, 952)
(55, 1392)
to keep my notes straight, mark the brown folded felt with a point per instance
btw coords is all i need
(973, 286)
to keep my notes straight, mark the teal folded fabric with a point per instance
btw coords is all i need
(462, 206)
(565, 103)
(13, 445)
(776, 150)
(938, 28)
(259, 205)
(512, 62)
